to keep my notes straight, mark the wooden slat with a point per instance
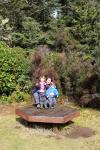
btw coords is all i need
(50, 113)
(42, 112)
(64, 113)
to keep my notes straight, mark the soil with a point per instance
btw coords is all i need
(9, 109)
(78, 132)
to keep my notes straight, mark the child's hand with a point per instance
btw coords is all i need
(41, 91)
(51, 94)
(37, 84)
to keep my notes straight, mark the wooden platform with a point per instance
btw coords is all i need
(57, 115)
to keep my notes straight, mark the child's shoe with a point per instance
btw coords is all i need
(38, 106)
(41, 106)
(53, 106)
(46, 106)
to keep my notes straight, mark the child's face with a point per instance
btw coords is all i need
(48, 81)
(42, 79)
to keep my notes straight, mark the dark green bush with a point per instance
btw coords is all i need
(16, 96)
(14, 69)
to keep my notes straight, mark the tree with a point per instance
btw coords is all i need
(81, 18)
(31, 14)
(5, 30)
(30, 34)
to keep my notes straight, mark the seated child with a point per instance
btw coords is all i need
(42, 85)
(51, 94)
(41, 91)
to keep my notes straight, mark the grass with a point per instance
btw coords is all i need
(16, 136)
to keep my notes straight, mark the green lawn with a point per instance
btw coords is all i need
(16, 136)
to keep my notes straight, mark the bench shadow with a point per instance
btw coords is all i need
(49, 126)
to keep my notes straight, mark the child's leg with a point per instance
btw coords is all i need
(53, 101)
(41, 104)
(36, 97)
(43, 101)
(50, 101)
(46, 103)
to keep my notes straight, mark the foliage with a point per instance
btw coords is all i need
(75, 74)
(26, 38)
(14, 65)
(69, 28)
(5, 30)
(16, 96)
(29, 21)
(82, 17)
(75, 26)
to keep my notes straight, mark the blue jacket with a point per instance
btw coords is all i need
(51, 90)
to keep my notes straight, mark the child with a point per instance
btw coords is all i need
(42, 85)
(51, 94)
(41, 91)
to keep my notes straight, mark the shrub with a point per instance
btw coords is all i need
(5, 99)
(16, 96)
(14, 70)
(77, 75)
(19, 96)
(74, 74)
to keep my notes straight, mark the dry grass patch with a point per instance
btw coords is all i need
(17, 135)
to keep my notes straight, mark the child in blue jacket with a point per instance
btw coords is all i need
(51, 94)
